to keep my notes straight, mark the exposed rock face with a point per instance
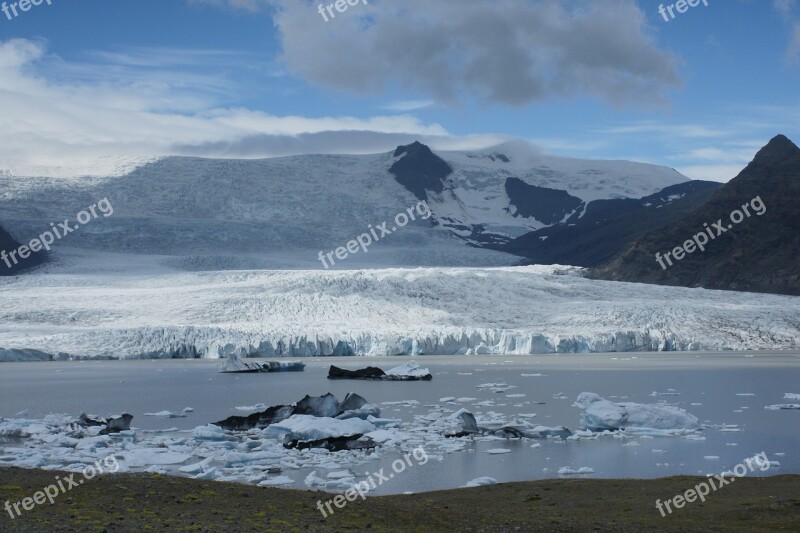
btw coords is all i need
(545, 205)
(420, 170)
(761, 253)
(608, 226)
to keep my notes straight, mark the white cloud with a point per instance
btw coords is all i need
(84, 118)
(408, 105)
(791, 15)
(721, 173)
(246, 5)
(696, 131)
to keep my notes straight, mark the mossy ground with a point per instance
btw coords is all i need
(135, 502)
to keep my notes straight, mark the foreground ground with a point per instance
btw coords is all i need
(129, 502)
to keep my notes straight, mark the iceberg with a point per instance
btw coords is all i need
(783, 406)
(308, 428)
(327, 406)
(234, 364)
(481, 482)
(406, 372)
(600, 414)
(582, 471)
(520, 430)
(112, 424)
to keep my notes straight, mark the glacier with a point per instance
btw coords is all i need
(156, 312)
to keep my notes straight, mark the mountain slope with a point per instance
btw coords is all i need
(760, 253)
(607, 226)
(498, 194)
(281, 212)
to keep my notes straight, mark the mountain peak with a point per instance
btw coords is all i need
(420, 170)
(414, 148)
(778, 149)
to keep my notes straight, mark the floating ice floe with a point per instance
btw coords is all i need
(234, 364)
(308, 428)
(256, 407)
(518, 430)
(112, 424)
(496, 387)
(481, 482)
(582, 471)
(410, 371)
(167, 414)
(498, 451)
(782, 406)
(320, 406)
(600, 414)
(276, 481)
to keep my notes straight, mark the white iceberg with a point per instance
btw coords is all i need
(481, 482)
(307, 427)
(209, 432)
(582, 471)
(782, 406)
(498, 451)
(276, 481)
(600, 414)
(410, 369)
(168, 414)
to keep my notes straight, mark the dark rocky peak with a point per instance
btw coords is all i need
(420, 170)
(779, 149)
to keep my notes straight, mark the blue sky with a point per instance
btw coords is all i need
(86, 85)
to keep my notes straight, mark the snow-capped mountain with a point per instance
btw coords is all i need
(281, 212)
(504, 192)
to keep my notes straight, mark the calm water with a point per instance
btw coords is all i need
(725, 388)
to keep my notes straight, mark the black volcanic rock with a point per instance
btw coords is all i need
(420, 170)
(545, 205)
(607, 226)
(8, 244)
(759, 254)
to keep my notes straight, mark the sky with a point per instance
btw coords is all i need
(88, 86)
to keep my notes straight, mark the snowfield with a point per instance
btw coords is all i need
(242, 214)
(153, 312)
